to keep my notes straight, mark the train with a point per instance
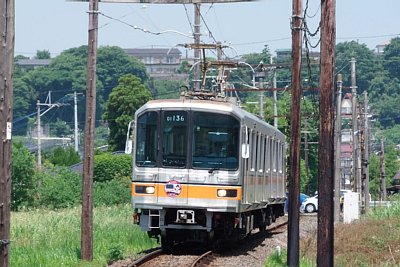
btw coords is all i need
(204, 170)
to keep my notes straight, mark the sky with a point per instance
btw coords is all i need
(57, 25)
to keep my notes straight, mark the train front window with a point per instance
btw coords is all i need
(146, 142)
(174, 138)
(215, 141)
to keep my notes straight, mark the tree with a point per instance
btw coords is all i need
(64, 156)
(124, 100)
(23, 170)
(366, 64)
(391, 56)
(43, 54)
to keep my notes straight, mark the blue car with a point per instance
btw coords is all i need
(303, 197)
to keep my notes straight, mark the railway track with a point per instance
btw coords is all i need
(194, 259)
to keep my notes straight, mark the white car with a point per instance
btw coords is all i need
(309, 205)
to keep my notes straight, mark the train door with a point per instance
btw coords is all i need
(173, 145)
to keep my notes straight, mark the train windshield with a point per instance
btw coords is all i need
(174, 138)
(146, 143)
(215, 141)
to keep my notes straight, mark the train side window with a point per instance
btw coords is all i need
(253, 145)
(146, 139)
(260, 158)
(267, 155)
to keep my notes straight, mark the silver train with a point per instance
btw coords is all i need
(205, 170)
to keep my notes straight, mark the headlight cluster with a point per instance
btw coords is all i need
(227, 193)
(145, 189)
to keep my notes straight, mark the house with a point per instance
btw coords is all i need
(161, 63)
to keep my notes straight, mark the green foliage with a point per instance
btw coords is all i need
(60, 128)
(49, 238)
(391, 56)
(366, 63)
(58, 187)
(115, 253)
(164, 89)
(67, 73)
(112, 192)
(23, 182)
(42, 54)
(392, 211)
(64, 156)
(124, 100)
(108, 167)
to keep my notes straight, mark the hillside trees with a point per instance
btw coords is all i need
(67, 73)
(121, 106)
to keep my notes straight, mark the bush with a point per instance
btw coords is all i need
(23, 170)
(64, 156)
(108, 167)
(116, 191)
(58, 188)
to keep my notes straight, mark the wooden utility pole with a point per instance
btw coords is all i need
(325, 149)
(295, 128)
(366, 154)
(90, 117)
(382, 184)
(7, 20)
(338, 143)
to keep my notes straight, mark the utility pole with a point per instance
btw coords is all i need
(39, 127)
(325, 248)
(295, 132)
(90, 117)
(76, 122)
(338, 143)
(7, 22)
(196, 34)
(366, 153)
(39, 138)
(357, 187)
(261, 76)
(275, 98)
(382, 184)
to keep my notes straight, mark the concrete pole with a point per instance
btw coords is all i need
(39, 136)
(196, 50)
(262, 98)
(275, 98)
(357, 186)
(76, 123)
(338, 142)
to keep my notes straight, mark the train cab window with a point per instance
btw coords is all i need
(174, 136)
(215, 141)
(146, 140)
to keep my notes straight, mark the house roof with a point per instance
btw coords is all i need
(33, 62)
(152, 51)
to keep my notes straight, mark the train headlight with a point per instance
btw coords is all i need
(150, 189)
(142, 189)
(227, 193)
(221, 193)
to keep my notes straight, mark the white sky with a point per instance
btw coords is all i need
(57, 25)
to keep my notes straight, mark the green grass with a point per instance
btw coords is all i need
(43, 238)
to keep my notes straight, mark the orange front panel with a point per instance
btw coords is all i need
(192, 191)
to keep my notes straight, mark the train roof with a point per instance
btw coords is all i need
(212, 104)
